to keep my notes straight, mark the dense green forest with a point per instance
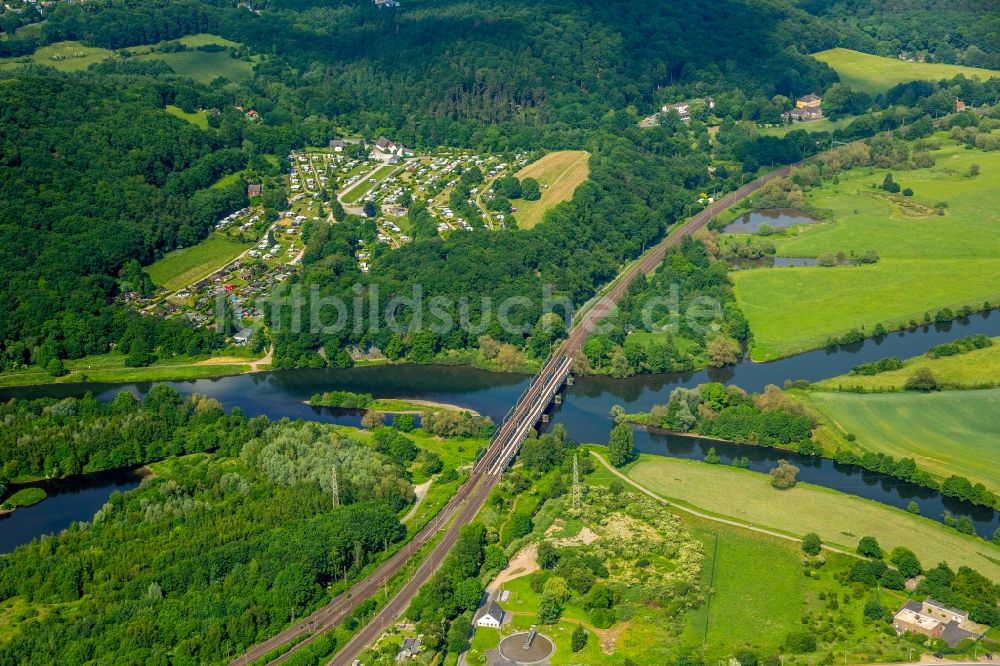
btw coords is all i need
(223, 548)
(963, 32)
(97, 179)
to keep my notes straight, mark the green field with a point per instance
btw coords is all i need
(953, 432)
(111, 368)
(875, 74)
(979, 368)
(758, 590)
(838, 518)
(198, 118)
(183, 267)
(204, 66)
(363, 186)
(821, 125)
(559, 174)
(64, 56)
(926, 261)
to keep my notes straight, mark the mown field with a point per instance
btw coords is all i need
(182, 267)
(204, 66)
(64, 56)
(951, 432)
(838, 518)
(111, 368)
(979, 368)
(875, 74)
(558, 174)
(198, 118)
(927, 261)
(821, 125)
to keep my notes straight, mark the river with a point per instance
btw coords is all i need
(584, 412)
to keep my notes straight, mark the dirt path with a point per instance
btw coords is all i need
(421, 492)
(255, 366)
(705, 516)
(522, 564)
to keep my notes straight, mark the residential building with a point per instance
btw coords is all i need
(804, 113)
(253, 190)
(409, 649)
(808, 101)
(959, 106)
(386, 146)
(491, 615)
(243, 336)
(935, 620)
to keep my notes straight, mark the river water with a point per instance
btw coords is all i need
(584, 412)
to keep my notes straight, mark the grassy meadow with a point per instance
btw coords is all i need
(946, 433)
(182, 267)
(198, 118)
(64, 56)
(821, 125)
(204, 66)
(979, 368)
(840, 519)
(876, 74)
(558, 174)
(927, 261)
(111, 368)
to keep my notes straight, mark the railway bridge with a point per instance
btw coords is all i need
(488, 469)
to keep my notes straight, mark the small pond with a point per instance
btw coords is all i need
(776, 218)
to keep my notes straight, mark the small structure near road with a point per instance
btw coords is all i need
(491, 615)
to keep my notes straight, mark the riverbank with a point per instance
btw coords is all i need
(391, 405)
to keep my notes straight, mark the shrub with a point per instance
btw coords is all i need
(908, 192)
(800, 642)
(784, 475)
(811, 545)
(922, 380)
(868, 546)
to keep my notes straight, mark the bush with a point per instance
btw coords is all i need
(811, 545)
(579, 639)
(922, 380)
(784, 475)
(908, 192)
(800, 642)
(868, 547)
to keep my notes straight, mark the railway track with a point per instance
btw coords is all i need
(487, 471)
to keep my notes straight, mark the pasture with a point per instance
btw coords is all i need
(64, 56)
(198, 118)
(840, 519)
(758, 590)
(182, 267)
(558, 174)
(946, 433)
(927, 261)
(202, 66)
(979, 368)
(821, 125)
(876, 74)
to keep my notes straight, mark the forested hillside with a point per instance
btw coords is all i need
(963, 32)
(97, 178)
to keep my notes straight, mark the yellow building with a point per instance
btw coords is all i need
(810, 101)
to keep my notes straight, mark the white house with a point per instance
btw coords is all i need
(490, 616)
